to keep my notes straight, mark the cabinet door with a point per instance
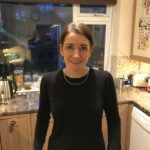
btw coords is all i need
(124, 115)
(49, 131)
(15, 133)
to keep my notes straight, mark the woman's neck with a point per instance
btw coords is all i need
(75, 73)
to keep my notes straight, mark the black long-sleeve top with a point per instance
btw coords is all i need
(77, 112)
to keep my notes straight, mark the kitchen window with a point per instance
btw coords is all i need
(19, 22)
(98, 17)
(93, 11)
(30, 34)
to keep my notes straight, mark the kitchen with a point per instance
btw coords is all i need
(117, 60)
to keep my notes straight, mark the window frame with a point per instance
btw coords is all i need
(76, 8)
(98, 19)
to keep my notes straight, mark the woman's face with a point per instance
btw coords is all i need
(76, 51)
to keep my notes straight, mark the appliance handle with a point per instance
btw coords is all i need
(15, 86)
(14, 83)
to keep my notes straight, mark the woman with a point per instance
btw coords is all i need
(76, 96)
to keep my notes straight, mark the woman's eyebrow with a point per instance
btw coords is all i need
(68, 44)
(83, 45)
(73, 44)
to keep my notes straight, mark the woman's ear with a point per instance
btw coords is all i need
(61, 50)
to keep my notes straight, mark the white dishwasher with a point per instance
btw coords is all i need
(140, 130)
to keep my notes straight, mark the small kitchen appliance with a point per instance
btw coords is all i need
(140, 80)
(7, 87)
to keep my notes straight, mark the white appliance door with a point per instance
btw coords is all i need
(140, 130)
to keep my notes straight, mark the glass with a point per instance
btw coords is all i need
(18, 74)
(93, 9)
(27, 81)
(119, 83)
(35, 77)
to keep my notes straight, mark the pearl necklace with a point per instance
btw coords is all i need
(74, 84)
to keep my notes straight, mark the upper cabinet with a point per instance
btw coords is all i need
(122, 20)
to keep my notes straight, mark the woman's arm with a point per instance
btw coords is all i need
(43, 116)
(112, 115)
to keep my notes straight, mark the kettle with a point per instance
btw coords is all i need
(7, 87)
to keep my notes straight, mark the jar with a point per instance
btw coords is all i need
(18, 74)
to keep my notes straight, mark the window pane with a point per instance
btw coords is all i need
(93, 9)
(97, 58)
(32, 31)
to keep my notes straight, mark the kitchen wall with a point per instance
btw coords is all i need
(121, 42)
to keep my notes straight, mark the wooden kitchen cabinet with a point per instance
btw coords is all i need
(125, 115)
(33, 123)
(15, 133)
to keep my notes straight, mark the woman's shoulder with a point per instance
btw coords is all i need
(50, 75)
(103, 77)
(102, 73)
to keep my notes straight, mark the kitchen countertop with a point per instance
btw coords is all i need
(128, 94)
(132, 95)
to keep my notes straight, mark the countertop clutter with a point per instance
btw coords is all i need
(21, 105)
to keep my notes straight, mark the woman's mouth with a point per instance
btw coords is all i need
(76, 62)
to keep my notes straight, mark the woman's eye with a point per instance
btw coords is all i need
(69, 47)
(83, 48)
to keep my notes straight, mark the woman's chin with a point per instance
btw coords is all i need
(75, 66)
(78, 67)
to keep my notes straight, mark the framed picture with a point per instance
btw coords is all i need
(141, 37)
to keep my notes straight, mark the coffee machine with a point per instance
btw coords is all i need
(7, 87)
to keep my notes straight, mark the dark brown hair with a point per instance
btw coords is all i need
(79, 28)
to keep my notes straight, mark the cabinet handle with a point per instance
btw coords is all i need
(12, 123)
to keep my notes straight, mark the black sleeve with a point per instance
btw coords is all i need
(112, 115)
(43, 116)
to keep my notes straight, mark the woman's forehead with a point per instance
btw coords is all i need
(72, 37)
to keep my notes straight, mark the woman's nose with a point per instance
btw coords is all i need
(76, 53)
